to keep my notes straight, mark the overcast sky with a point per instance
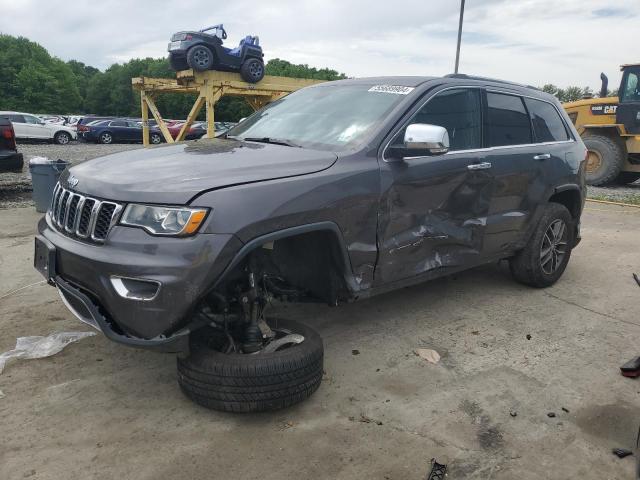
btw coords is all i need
(565, 42)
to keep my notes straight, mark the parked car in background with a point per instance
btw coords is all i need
(30, 127)
(10, 159)
(117, 131)
(83, 121)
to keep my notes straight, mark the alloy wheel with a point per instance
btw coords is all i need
(554, 246)
(201, 57)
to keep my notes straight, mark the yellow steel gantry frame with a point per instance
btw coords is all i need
(210, 87)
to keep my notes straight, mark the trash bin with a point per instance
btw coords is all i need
(44, 176)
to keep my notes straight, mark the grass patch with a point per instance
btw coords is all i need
(633, 199)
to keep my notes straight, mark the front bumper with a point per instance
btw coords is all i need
(183, 267)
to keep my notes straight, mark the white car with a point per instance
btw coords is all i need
(30, 127)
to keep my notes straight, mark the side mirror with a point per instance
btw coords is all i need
(421, 140)
(421, 137)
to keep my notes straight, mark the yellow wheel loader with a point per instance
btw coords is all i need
(610, 129)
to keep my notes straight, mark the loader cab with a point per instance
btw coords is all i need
(628, 112)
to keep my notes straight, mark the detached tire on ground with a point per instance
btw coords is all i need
(543, 261)
(605, 159)
(253, 383)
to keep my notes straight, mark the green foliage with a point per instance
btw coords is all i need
(569, 94)
(282, 68)
(34, 81)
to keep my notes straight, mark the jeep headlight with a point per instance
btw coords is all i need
(159, 220)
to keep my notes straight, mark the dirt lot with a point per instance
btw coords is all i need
(510, 355)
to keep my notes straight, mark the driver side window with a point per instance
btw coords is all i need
(459, 111)
(631, 90)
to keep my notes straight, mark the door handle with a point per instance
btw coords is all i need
(542, 156)
(479, 166)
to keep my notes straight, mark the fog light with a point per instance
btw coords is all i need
(136, 288)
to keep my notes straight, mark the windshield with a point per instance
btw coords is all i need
(327, 117)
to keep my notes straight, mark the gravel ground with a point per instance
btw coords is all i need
(15, 188)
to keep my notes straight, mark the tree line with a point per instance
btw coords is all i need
(34, 81)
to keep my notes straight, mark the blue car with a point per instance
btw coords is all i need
(118, 131)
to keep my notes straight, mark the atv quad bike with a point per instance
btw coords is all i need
(203, 50)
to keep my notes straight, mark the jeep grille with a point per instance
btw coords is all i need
(83, 217)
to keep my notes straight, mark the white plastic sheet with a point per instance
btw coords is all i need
(40, 161)
(41, 347)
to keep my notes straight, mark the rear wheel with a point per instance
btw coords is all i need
(200, 58)
(605, 159)
(627, 177)
(543, 261)
(252, 70)
(106, 138)
(261, 381)
(62, 138)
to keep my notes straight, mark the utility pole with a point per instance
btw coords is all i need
(459, 35)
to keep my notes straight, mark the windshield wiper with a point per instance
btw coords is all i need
(274, 141)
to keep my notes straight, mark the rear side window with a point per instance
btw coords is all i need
(15, 118)
(457, 110)
(118, 123)
(547, 124)
(507, 121)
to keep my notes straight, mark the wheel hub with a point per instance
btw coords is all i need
(594, 161)
(554, 247)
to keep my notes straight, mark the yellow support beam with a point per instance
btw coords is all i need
(210, 86)
(145, 118)
(159, 120)
(193, 114)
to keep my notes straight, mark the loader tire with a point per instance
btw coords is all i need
(605, 159)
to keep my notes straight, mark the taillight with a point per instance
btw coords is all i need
(7, 133)
(188, 37)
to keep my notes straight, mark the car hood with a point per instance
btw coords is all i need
(175, 174)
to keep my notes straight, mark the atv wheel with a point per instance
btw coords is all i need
(178, 63)
(263, 381)
(200, 58)
(604, 159)
(627, 177)
(252, 70)
(543, 261)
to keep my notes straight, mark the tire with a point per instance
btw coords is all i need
(528, 266)
(627, 177)
(178, 63)
(252, 383)
(155, 138)
(200, 58)
(105, 138)
(605, 161)
(252, 70)
(62, 138)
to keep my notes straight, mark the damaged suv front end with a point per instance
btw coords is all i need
(139, 288)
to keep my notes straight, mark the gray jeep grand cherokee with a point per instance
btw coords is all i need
(337, 192)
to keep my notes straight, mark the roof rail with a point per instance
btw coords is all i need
(487, 79)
